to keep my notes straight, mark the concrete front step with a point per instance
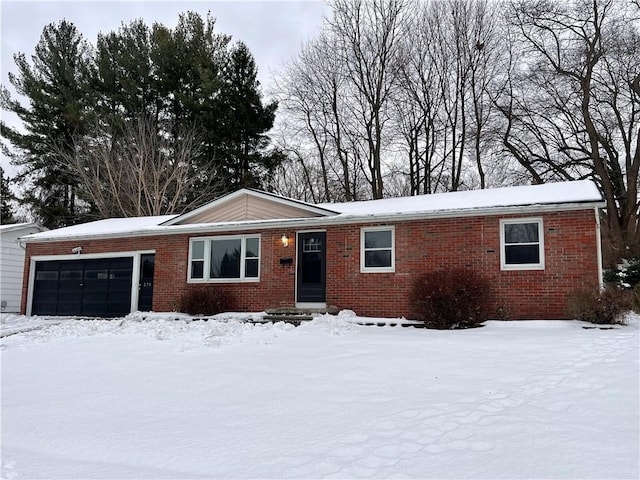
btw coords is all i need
(294, 315)
(292, 319)
(302, 311)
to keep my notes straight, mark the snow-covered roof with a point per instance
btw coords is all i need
(475, 202)
(19, 226)
(545, 194)
(109, 227)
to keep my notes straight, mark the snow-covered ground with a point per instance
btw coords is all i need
(167, 398)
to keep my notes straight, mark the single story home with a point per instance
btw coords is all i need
(12, 264)
(535, 244)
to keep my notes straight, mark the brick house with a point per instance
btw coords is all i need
(535, 244)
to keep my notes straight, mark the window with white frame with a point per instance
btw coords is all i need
(377, 250)
(224, 259)
(522, 244)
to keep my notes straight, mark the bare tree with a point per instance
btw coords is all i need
(316, 122)
(367, 36)
(417, 105)
(572, 110)
(443, 108)
(141, 172)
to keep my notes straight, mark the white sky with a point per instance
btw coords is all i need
(273, 30)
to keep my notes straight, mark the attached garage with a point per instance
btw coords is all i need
(92, 287)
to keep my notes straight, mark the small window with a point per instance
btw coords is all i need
(312, 244)
(197, 259)
(377, 249)
(223, 259)
(522, 244)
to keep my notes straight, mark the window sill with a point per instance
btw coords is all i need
(511, 268)
(225, 280)
(377, 270)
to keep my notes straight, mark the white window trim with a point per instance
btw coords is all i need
(207, 259)
(522, 266)
(392, 268)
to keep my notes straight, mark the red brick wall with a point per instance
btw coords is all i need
(420, 246)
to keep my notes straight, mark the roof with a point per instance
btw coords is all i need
(109, 227)
(551, 196)
(470, 200)
(20, 226)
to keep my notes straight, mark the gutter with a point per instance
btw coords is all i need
(316, 222)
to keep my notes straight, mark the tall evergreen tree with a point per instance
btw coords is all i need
(6, 211)
(124, 82)
(56, 84)
(243, 123)
(172, 80)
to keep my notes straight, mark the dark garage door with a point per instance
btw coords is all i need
(92, 288)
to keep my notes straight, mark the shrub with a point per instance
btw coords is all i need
(636, 298)
(446, 299)
(624, 275)
(600, 307)
(204, 300)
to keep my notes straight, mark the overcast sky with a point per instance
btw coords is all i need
(273, 30)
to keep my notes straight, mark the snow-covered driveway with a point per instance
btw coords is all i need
(170, 399)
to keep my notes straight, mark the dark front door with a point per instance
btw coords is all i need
(145, 287)
(311, 286)
(93, 287)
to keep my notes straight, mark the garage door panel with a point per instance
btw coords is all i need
(66, 308)
(89, 296)
(48, 287)
(94, 309)
(95, 286)
(118, 298)
(43, 307)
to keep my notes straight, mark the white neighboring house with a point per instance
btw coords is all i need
(12, 264)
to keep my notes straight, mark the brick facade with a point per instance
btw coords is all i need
(570, 247)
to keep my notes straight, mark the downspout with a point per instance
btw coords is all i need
(599, 250)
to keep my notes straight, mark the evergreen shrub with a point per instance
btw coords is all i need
(624, 275)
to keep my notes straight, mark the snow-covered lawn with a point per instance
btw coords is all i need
(165, 398)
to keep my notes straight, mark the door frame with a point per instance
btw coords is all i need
(135, 274)
(295, 293)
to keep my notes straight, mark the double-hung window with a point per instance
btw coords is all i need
(522, 244)
(224, 259)
(377, 249)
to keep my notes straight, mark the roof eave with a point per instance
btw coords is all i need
(341, 219)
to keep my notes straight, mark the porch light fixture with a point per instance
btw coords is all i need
(285, 240)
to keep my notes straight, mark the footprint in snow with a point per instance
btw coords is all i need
(533, 390)
(411, 447)
(558, 406)
(355, 438)
(481, 446)
(461, 434)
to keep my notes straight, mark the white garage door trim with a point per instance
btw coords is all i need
(135, 280)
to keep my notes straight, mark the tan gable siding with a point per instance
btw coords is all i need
(248, 208)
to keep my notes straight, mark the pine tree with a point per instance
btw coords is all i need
(243, 123)
(6, 211)
(56, 84)
(174, 81)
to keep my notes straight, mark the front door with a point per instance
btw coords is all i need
(145, 287)
(311, 274)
